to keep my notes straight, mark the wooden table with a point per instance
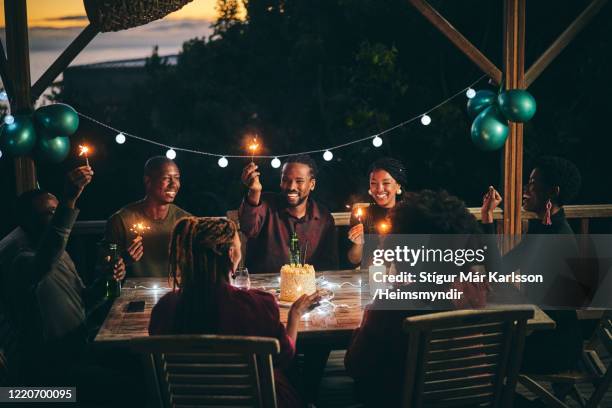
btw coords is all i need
(332, 327)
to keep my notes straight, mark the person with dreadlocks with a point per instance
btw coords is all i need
(553, 182)
(204, 252)
(387, 176)
(269, 219)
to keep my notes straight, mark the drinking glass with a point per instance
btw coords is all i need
(241, 278)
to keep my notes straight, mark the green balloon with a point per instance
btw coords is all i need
(57, 119)
(19, 137)
(489, 129)
(480, 101)
(517, 105)
(53, 150)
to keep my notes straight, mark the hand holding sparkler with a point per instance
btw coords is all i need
(85, 150)
(356, 232)
(76, 181)
(136, 249)
(253, 147)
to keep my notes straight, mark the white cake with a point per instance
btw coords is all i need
(295, 280)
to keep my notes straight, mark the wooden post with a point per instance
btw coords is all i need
(514, 77)
(17, 47)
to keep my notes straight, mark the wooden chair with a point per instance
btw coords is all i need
(464, 357)
(592, 371)
(209, 370)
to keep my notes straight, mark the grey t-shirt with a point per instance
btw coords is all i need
(156, 240)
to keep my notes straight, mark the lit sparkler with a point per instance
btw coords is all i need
(84, 150)
(140, 228)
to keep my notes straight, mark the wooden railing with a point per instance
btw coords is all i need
(582, 212)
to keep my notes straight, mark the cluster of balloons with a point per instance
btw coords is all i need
(45, 133)
(491, 113)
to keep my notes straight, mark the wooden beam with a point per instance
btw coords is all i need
(562, 41)
(16, 19)
(4, 72)
(514, 57)
(63, 61)
(446, 28)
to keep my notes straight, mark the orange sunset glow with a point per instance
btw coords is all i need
(71, 13)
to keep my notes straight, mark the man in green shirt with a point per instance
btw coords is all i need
(142, 230)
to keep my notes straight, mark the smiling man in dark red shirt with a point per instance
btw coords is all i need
(269, 219)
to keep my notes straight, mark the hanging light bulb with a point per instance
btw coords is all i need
(120, 138)
(171, 154)
(377, 141)
(3, 96)
(425, 119)
(276, 163)
(0, 154)
(223, 162)
(470, 93)
(327, 156)
(9, 119)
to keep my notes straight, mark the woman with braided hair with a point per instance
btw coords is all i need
(387, 178)
(204, 252)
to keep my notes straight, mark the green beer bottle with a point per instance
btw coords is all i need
(113, 287)
(294, 250)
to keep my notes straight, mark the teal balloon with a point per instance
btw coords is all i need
(19, 137)
(489, 129)
(57, 119)
(481, 101)
(53, 150)
(517, 105)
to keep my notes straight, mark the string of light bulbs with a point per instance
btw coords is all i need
(223, 159)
